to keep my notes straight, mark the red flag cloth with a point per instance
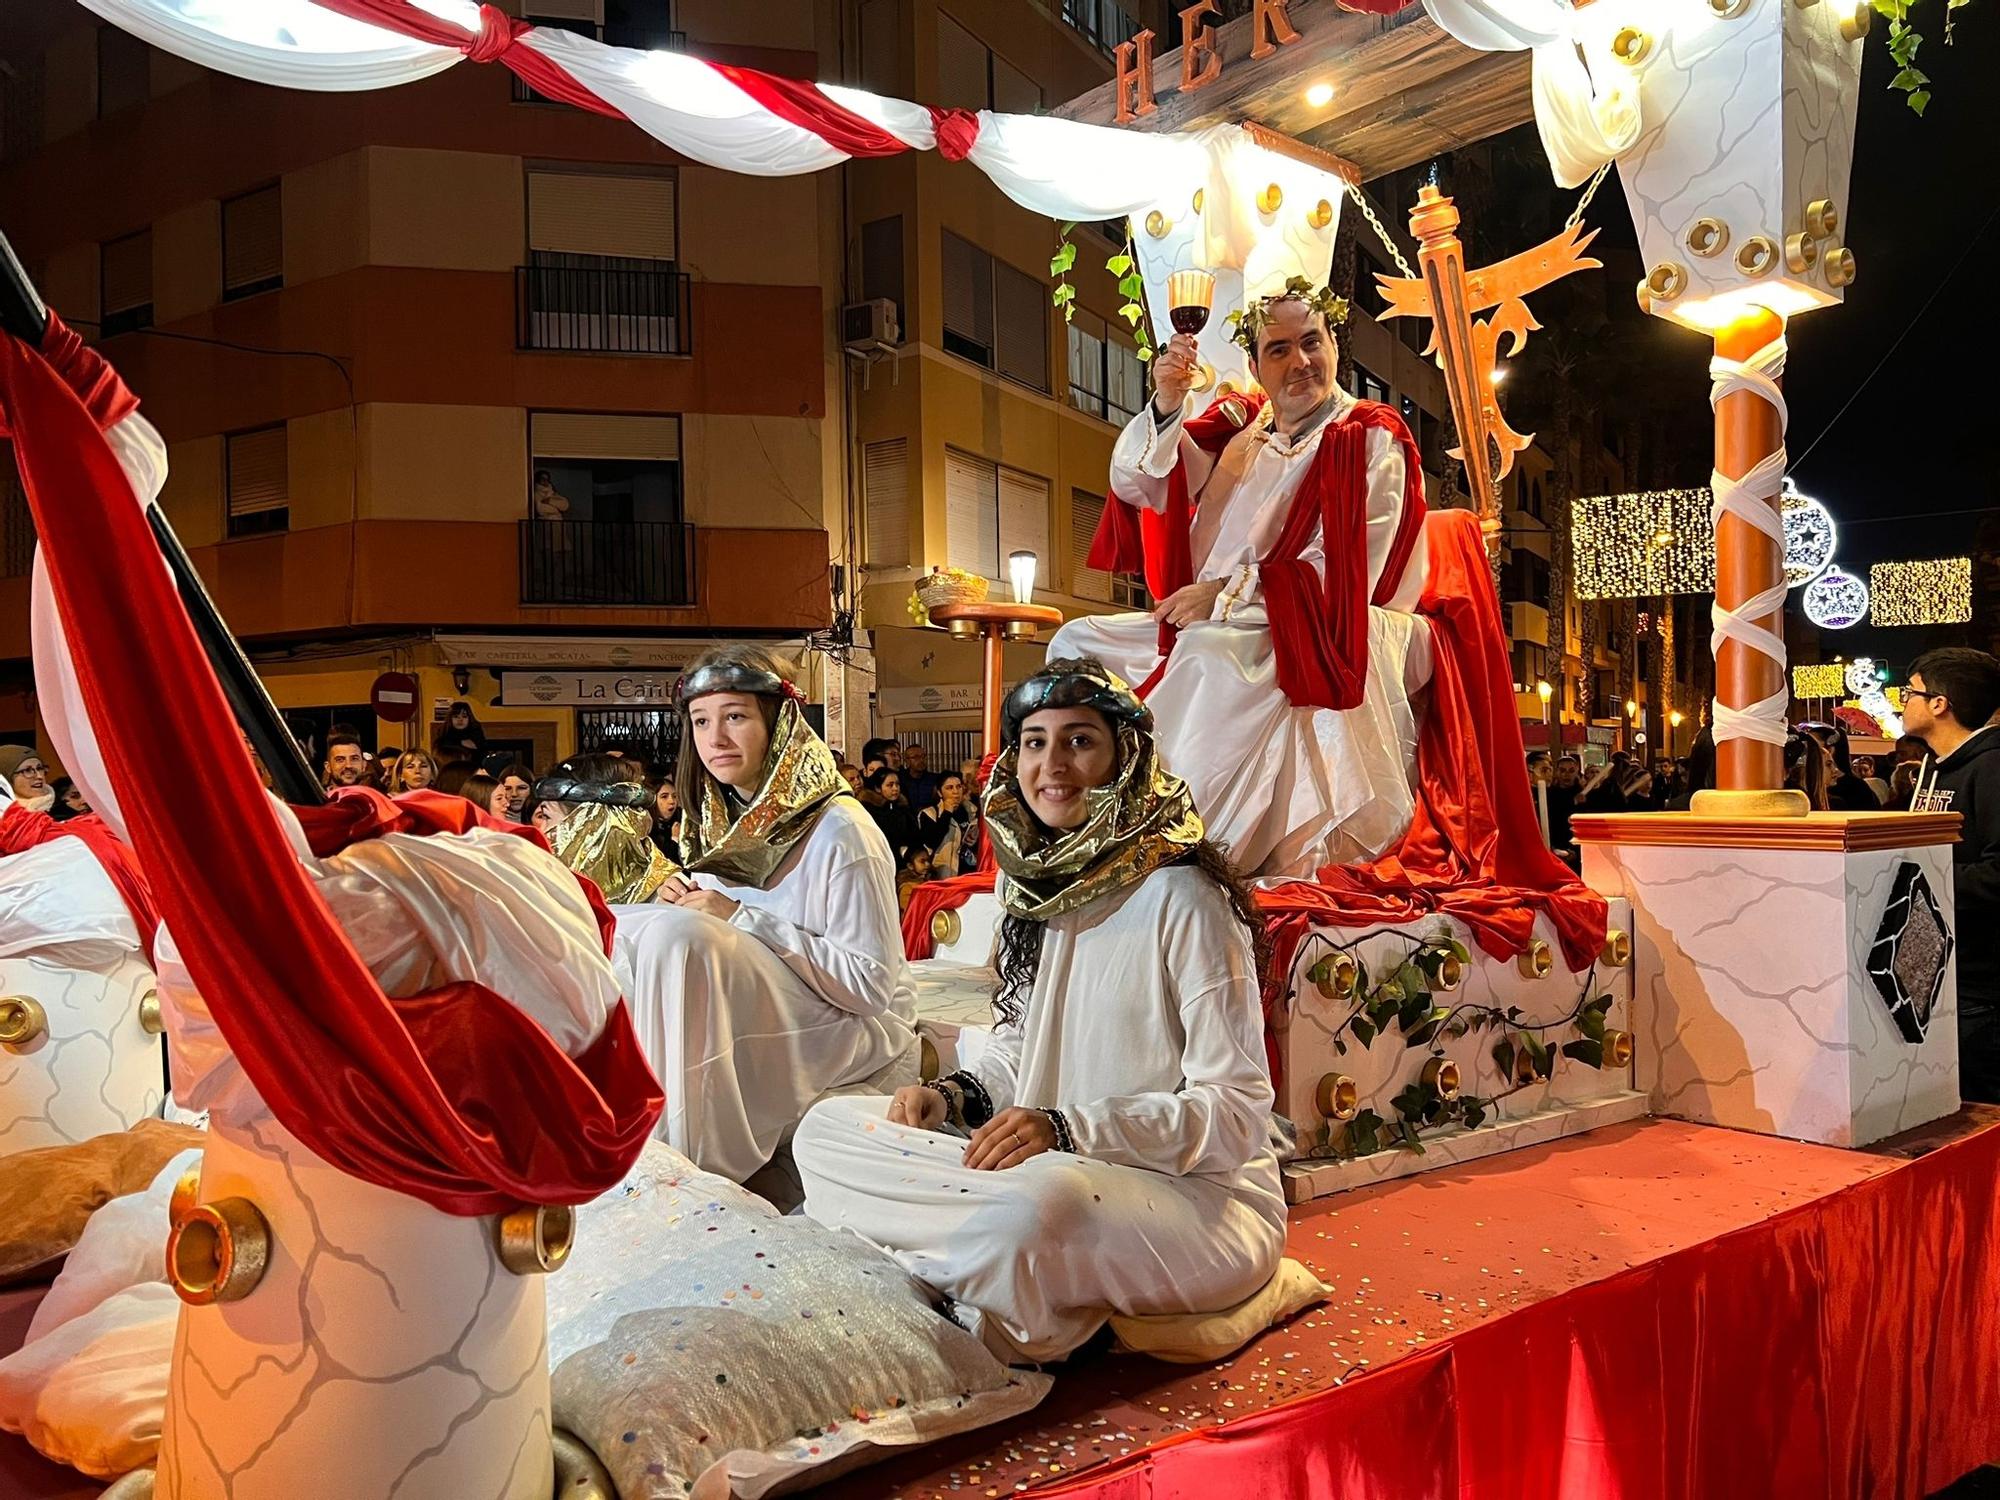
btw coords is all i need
(21, 830)
(453, 1096)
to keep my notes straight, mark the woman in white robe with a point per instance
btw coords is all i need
(1120, 1158)
(770, 970)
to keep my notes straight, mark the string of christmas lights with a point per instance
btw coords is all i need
(1641, 545)
(1826, 679)
(1935, 591)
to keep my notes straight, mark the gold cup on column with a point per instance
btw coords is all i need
(1190, 299)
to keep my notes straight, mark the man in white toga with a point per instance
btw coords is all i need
(1285, 536)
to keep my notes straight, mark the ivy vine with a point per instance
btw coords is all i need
(1407, 1001)
(1904, 40)
(1124, 269)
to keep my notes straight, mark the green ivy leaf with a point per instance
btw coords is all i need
(1459, 951)
(1920, 100)
(1069, 312)
(1591, 1024)
(1065, 292)
(1589, 1053)
(1421, 1037)
(1407, 1134)
(1145, 353)
(1339, 1047)
(1069, 228)
(1473, 1115)
(1063, 259)
(1133, 286)
(1412, 980)
(1118, 265)
(1544, 1065)
(1364, 1032)
(1364, 1133)
(1131, 312)
(1503, 1057)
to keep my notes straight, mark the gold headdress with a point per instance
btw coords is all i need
(747, 842)
(1248, 321)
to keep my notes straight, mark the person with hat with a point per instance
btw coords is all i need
(1111, 1149)
(770, 968)
(594, 816)
(27, 777)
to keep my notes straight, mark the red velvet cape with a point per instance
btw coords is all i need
(453, 1096)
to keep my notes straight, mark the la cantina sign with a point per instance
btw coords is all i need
(587, 689)
(1201, 59)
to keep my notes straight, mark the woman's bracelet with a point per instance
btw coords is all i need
(954, 1112)
(977, 1105)
(1064, 1140)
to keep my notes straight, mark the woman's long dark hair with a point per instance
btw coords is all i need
(1020, 947)
(691, 777)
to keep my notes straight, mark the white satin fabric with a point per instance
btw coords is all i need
(804, 991)
(422, 912)
(1145, 1029)
(1284, 789)
(291, 44)
(57, 904)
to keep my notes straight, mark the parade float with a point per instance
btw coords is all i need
(1655, 1307)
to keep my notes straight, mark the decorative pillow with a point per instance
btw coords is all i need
(92, 1394)
(47, 1195)
(701, 1342)
(123, 1245)
(1203, 1338)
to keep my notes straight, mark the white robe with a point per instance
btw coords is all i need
(1144, 1028)
(803, 990)
(1284, 789)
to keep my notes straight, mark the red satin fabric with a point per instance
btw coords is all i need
(805, 106)
(1849, 1346)
(957, 130)
(21, 830)
(455, 1096)
(934, 896)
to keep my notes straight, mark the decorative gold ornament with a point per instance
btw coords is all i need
(535, 1241)
(1801, 252)
(1667, 280)
(1340, 977)
(1706, 237)
(150, 1019)
(186, 1197)
(1441, 1074)
(1199, 195)
(1857, 21)
(1525, 1071)
(1321, 215)
(1246, 321)
(1338, 1097)
(1618, 1049)
(1822, 219)
(1158, 224)
(22, 1021)
(1839, 264)
(1758, 256)
(1777, 802)
(218, 1252)
(579, 1475)
(945, 928)
(1270, 198)
(1451, 973)
(1617, 950)
(1728, 10)
(1631, 45)
(1536, 960)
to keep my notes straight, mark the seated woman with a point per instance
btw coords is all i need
(594, 816)
(1121, 1155)
(948, 830)
(773, 971)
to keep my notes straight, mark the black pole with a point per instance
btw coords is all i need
(26, 316)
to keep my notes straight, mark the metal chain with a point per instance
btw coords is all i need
(1368, 212)
(1589, 192)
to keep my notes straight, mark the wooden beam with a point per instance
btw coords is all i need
(1403, 89)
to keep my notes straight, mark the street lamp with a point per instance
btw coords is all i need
(1021, 575)
(1674, 719)
(1545, 691)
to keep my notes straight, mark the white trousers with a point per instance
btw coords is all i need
(740, 1044)
(1284, 789)
(1043, 1252)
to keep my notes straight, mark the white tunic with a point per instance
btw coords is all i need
(1144, 1028)
(803, 990)
(1284, 789)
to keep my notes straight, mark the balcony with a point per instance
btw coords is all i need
(612, 311)
(1102, 22)
(633, 564)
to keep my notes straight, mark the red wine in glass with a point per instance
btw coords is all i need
(1190, 296)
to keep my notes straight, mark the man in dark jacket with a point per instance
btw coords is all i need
(1952, 696)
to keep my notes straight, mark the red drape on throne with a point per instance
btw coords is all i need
(22, 830)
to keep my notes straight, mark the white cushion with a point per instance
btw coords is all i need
(123, 1245)
(93, 1392)
(1203, 1338)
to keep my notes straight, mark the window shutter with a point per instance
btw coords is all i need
(1024, 521)
(1021, 313)
(1125, 385)
(1086, 365)
(128, 272)
(1014, 92)
(885, 482)
(968, 290)
(256, 465)
(253, 245)
(574, 434)
(971, 515)
(961, 67)
(1085, 512)
(602, 213)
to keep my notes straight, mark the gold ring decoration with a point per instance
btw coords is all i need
(22, 1021)
(1617, 1049)
(1338, 1097)
(1341, 974)
(1617, 950)
(1839, 265)
(579, 1475)
(1644, 291)
(1822, 218)
(928, 1064)
(964, 630)
(1451, 973)
(1536, 960)
(1158, 225)
(186, 1197)
(1270, 198)
(1728, 10)
(1801, 251)
(1758, 255)
(535, 1241)
(1199, 195)
(1706, 237)
(1441, 1073)
(150, 1019)
(1667, 280)
(1321, 215)
(1631, 45)
(218, 1252)
(945, 928)
(1854, 25)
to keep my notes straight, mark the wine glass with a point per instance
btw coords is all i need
(1190, 298)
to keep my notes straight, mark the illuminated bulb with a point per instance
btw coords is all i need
(1545, 690)
(1499, 374)
(1663, 538)
(1631, 709)
(1021, 575)
(1320, 95)
(1676, 718)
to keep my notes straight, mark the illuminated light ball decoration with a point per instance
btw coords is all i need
(1818, 680)
(1641, 545)
(1836, 600)
(1809, 537)
(1937, 591)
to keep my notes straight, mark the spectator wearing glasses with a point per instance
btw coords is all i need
(1952, 696)
(28, 775)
